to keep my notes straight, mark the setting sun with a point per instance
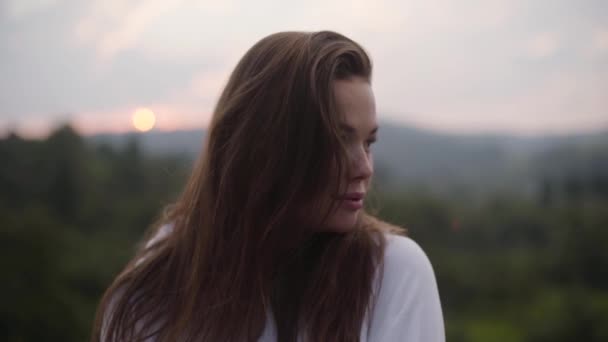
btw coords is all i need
(143, 119)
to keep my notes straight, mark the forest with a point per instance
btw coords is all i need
(510, 267)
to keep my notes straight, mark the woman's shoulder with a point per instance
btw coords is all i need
(161, 233)
(404, 254)
(406, 267)
(407, 303)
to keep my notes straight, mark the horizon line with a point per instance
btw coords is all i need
(43, 133)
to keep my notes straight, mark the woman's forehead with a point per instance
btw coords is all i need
(356, 104)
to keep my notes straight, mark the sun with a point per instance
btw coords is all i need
(143, 119)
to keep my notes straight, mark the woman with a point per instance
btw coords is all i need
(269, 240)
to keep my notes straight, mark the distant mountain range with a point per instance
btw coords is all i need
(411, 158)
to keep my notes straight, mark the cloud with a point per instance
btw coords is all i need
(126, 23)
(563, 102)
(542, 45)
(17, 9)
(599, 42)
(458, 64)
(164, 29)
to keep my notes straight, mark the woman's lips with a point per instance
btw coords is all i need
(352, 201)
(352, 204)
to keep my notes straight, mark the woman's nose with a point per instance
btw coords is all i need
(362, 165)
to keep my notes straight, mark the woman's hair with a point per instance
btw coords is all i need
(244, 242)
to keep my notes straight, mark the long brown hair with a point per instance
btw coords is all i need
(240, 248)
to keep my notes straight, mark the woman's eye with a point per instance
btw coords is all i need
(369, 142)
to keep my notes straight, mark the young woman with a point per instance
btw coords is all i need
(269, 240)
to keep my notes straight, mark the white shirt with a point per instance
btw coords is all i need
(407, 306)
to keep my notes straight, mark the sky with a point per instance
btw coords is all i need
(523, 67)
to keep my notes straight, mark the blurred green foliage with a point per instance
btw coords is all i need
(508, 269)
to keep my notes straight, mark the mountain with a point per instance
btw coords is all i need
(411, 158)
(185, 142)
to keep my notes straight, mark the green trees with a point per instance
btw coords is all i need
(509, 268)
(514, 269)
(70, 216)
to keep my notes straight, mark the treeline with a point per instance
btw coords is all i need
(508, 269)
(70, 216)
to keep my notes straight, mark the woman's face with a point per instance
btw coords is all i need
(355, 102)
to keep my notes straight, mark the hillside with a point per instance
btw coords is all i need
(440, 163)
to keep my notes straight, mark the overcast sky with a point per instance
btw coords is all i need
(515, 66)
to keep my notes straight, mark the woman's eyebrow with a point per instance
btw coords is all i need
(346, 128)
(349, 129)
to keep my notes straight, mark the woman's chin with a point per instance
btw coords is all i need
(342, 221)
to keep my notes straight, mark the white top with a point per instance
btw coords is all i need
(408, 306)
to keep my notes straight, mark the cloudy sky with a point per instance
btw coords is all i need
(514, 66)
